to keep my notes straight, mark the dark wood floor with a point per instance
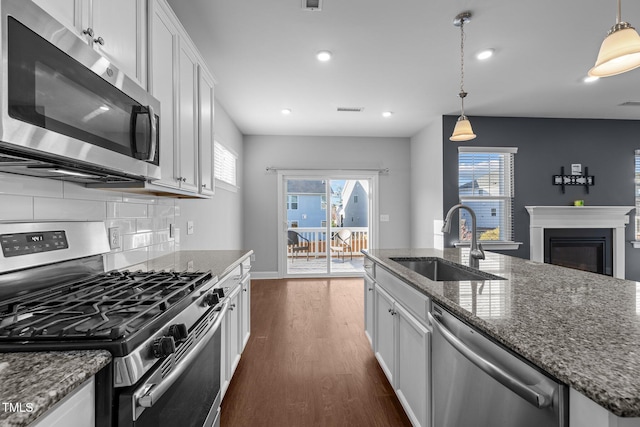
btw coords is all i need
(308, 362)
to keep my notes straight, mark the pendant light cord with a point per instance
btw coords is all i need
(462, 93)
(619, 15)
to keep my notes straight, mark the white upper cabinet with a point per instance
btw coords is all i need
(188, 117)
(184, 87)
(115, 28)
(206, 131)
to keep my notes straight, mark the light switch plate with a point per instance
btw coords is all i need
(189, 227)
(384, 218)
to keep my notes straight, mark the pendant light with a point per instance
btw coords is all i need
(620, 50)
(462, 131)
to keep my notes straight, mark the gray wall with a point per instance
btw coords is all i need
(304, 152)
(217, 222)
(606, 147)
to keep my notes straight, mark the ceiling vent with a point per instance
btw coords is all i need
(351, 109)
(312, 5)
(630, 104)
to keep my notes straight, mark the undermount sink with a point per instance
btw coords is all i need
(439, 270)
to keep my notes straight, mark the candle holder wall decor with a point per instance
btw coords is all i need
(584, 180)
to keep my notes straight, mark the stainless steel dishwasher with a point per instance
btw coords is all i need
(478, 383)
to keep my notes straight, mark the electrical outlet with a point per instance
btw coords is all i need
(190, 266)
(114, 237)
(253, 257)
(189, 227)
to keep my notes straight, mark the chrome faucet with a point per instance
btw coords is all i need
(476, 253)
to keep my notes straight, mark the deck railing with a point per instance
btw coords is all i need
(318, 240)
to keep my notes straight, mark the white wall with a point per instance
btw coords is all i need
(304, 152)
(217, 221)
(426, 183)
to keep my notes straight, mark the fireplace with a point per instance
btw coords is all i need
(587, 249)
(612, 218)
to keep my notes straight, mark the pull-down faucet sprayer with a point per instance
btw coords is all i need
(476, 253)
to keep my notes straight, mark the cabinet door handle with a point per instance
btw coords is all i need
(232, 306)
(204, 185)
(88, 32)
(99, 40)
(370, 289)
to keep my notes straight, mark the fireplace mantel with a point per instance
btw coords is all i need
(614, 217)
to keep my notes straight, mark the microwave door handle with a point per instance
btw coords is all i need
(153, 135)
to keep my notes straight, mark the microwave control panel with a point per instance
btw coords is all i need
(31, 243)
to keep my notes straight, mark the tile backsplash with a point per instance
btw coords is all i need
(144, 222)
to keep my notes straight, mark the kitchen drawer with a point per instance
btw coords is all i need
(231, 280)
(413, 300)
(246, 266)
(370, 268)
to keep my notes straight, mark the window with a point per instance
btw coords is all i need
(637, 169)
(485, 184)
(294, 224)
(292, 202)
(355, 198)
(323, 202)
(224, 164)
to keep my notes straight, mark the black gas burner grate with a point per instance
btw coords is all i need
(110, 305)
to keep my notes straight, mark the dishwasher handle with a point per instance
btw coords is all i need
(535, 397)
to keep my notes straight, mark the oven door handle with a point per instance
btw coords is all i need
(153, 392)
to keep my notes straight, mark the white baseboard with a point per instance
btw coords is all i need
(264, 274)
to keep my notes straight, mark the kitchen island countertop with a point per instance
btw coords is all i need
(582, 328)
(35, 381)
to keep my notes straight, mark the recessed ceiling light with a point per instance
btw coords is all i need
(387, 113)
(286, 111)
(485, 54)
(590, 79)
(323, 55)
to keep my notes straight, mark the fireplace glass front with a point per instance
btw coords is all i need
(587, 249)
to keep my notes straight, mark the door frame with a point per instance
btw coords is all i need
(324, 174)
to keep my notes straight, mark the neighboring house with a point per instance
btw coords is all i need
(306, 203)
(354, 211)
(486, 212)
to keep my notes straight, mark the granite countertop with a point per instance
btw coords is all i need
(219, 262)
(38, 380)
(582, 328)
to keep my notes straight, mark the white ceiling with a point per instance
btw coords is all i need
(404, 56)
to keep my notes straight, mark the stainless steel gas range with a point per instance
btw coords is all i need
(162, 328)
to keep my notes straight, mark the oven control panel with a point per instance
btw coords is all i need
(34, 242)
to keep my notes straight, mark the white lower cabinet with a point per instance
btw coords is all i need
(412, 374)
(76, 410)
(402, 346)
(236, 323)
(369, 286)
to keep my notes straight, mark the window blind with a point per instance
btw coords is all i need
(485, 184)
(637, 188)
(224, 164)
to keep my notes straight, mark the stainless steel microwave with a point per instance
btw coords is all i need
(66, 111)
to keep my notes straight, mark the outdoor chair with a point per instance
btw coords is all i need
(297, 243)
(341, 243)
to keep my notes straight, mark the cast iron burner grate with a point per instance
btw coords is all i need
(108, 306)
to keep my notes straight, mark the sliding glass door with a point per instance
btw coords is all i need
(326, 222)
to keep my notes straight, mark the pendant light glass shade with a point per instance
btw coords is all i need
(462, 131)
(620, 52)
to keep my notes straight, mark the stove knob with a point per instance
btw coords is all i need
(211, 299)
(178, 332)
(163, 347)
(219, 292)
